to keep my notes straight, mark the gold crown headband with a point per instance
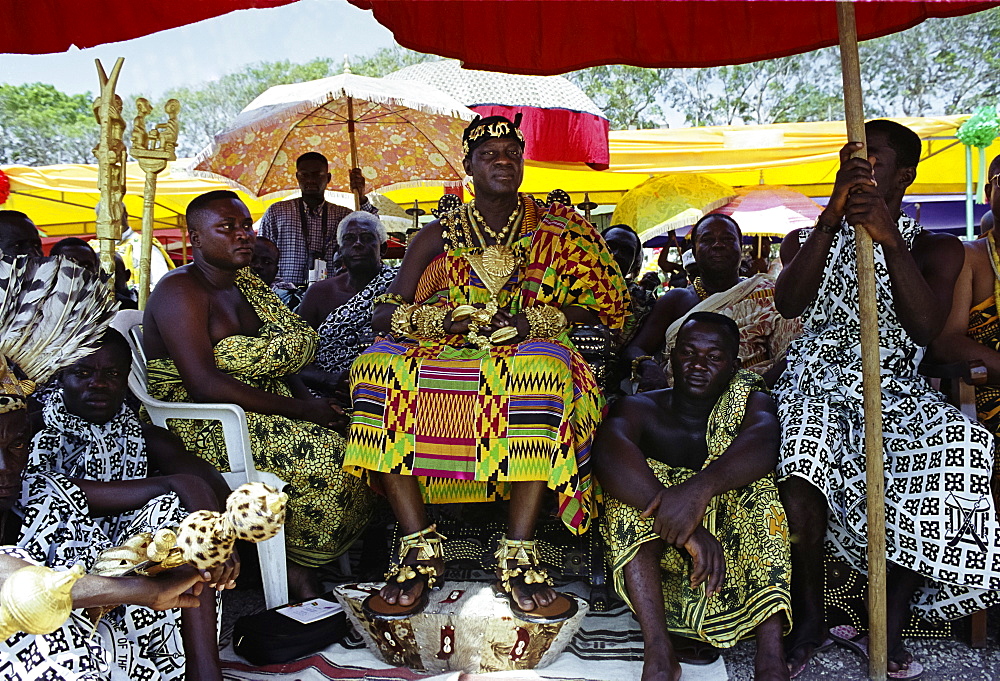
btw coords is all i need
(495, 129)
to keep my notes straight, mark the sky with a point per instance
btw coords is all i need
(209, 49)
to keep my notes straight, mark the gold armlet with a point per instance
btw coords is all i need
(545, 321)
(389, 299)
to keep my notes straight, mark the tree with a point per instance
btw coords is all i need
(207, 108)
(943, 66)
(387, 60)
(628, 95)
(40, 125)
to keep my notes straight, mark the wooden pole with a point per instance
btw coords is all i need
(354, 146)
(870, 363)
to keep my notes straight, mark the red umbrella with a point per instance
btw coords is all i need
(556, 36)
(43, 26)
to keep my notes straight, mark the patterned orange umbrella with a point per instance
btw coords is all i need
(399, 133)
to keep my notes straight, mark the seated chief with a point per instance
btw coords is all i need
(697, 535)
(477, 393)
(214, 332)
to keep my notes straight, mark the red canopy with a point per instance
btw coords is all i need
(43, 26)
(555, 36)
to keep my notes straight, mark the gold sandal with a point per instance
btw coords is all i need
(524, 553)
(428, 543)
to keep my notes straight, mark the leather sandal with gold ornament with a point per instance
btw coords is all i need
(517, 560)
(429, 550)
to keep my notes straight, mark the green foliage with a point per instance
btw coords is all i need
(628, 95)
(387, 60)
(40, 125)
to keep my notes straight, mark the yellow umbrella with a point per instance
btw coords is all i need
(668, 202)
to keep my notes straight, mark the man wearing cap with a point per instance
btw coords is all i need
(305, 228)
(765, 334)
(475, 392)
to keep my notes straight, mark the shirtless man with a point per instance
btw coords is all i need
(972, 331)
(689, 472)
(214, 299)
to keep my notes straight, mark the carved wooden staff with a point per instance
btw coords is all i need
(870, 362)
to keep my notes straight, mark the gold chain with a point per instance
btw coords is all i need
(699, 288)
(506, 233)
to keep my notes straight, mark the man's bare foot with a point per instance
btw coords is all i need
(899, 658)
(303, 583)
(804, 642)
(660, 665)
(409, 592)
(531, 596)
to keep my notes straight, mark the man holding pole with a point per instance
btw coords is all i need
(942, 535)
(305, 229)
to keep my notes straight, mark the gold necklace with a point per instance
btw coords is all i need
(699, 288)
(507, 231)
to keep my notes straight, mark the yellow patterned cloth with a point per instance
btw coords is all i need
(469, 422)
(749, 523)
(327, 508)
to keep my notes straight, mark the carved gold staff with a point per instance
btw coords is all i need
(110, 153)
(153, 149)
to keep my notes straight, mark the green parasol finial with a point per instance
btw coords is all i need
(981, 129)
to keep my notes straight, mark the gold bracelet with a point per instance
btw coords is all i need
(473, 336)
(545, 321)
(389, 299)
(428, 321)
(401, 324)
(635, 365)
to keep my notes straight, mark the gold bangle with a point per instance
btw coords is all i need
(428, 321)
(545, 321)
(401, 323)
(389, 299)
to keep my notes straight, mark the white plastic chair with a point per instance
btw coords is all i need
(234, 427)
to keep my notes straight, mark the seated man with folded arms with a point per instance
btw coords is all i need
(136, 477)
(214, 332)
(697, 535)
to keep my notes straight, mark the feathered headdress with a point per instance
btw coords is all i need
(52, 313)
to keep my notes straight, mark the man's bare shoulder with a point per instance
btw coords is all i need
(639, 406)
(675, 303)
(181, 285)
(761, 403)
(977, 255)
(938, 253)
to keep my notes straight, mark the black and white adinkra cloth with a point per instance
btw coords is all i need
(347, 331)
(940, 516)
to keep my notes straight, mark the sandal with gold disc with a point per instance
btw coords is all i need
(428, 544)
(524, 554)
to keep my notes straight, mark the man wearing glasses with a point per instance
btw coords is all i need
(305, 229)
(972, 332)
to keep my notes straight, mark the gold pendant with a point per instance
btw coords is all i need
(499, 261)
